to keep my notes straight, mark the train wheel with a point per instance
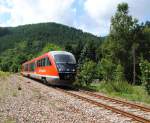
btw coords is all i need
(44, 80)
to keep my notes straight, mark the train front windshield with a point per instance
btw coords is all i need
(64, 58)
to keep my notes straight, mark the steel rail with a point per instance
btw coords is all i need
(118, 101)
(124, 113)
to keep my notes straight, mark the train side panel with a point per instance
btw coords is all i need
(40, 72)
(49, 73)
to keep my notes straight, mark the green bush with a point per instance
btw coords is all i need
(119, 73)
(123, 90)
(121, 86)
(145, 74)
(106, 69)
(86, 73)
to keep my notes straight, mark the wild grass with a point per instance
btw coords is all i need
(6, 87)
(9, 120)
(4, 74)
(3, 88)
(121, 89)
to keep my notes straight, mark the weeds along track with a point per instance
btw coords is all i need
(135, 112)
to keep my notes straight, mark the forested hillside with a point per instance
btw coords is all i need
(18, 44)
(40, 34)
(120, 58)
(124, 56)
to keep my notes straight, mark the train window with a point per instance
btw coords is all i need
(26, 67)
(64, 58)
(29, 67)
(43, 62)
(40, 63)
(23, 68)
(32, 66)
(37, 63)
(48, 63)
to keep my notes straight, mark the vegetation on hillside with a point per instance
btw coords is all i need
(145, 74)
(115, 59)
(22, 43)
(118, 57)
(38, 35)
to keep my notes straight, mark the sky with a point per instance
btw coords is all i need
(91, 16)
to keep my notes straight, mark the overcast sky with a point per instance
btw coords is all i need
(89, 15)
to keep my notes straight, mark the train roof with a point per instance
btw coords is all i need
(60, 52)
(51, 52)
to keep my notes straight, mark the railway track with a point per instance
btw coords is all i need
(146, 109)
(84, 95)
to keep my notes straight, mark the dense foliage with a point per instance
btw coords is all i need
(19, 44)
(37, 35)
(118, 57)
(145, 74)
(87, 73)
(114, 58)
(126, 42)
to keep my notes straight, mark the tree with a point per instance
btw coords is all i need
(122, 39)
(50, 47)
(29, 41)
(88, 52)
(87, 73)
(144, 46)
(69, 48)
(119, 73)
(78, 49)
(106, 68)
(145, 74)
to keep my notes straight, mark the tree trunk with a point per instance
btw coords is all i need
(134, 62)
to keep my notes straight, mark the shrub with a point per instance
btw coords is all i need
(99, 74)
(106, 69)
(86, 73)
(121, 86)
(145, 74)
(119, 73)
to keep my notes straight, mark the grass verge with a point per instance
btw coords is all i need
(4, 74)
(9, 120)
(122, 90)
(6, 87)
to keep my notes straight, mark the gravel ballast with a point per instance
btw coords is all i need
(23, 100)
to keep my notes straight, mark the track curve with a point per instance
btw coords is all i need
(116, 110)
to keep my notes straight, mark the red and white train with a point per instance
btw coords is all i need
(54, 67)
